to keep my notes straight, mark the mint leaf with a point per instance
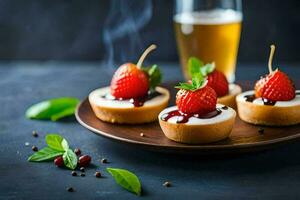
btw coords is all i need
(197, 66)
(64, 113)
(155, 76)
(207, 68)
(65, 144)
(126, 179)
(194, 65)
(186, 86)
(57, 142)
(198, 81)
(70, 159)
(54, 109)
(45, 154)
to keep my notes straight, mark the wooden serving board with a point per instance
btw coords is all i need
(244, 137)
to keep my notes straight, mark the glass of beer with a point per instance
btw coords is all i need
(209, 30)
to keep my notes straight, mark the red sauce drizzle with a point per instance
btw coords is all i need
(184, 118)
(137, 102)
(251, 98)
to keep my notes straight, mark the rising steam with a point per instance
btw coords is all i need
(121, 30)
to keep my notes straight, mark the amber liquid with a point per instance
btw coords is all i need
(209, 39)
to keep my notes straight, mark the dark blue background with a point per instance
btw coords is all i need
(73, 30)
(272, 174)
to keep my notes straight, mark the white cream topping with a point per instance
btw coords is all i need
(224, 115)
(96, 96)
(259, 101)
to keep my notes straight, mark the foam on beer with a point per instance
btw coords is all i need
(212, 17)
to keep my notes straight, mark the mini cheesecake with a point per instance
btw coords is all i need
(133, 96)
(197, 118)
(128, 111)
(194, 129)
(265, 112)
(229, 99)
(274, 100)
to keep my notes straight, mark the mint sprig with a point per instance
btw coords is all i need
(155, 76)
(197, 66)
(198, 81)
(45, 154)
(57, 146)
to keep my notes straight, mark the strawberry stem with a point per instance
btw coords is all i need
(143, 56)
(271, 58)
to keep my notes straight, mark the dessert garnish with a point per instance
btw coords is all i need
(215, 79)
(34, 148)
(53, 109)
(167, 184)
(59, 151)
(126, 179)
(98, 174)
(70, 189)
(275, 86)
(135, 82)
(104, 160)
(194, 99)
(35, 134)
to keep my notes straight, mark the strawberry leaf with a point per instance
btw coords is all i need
(155, 76)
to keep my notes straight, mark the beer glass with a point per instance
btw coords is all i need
(209, 30)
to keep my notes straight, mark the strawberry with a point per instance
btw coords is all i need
(216, 79)
(196, 97)
(218, 82)
(129, 82)
(132, 81)
(276, 86)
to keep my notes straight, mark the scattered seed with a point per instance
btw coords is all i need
(70, 189)
(82, 169)
(27, 143)
(77, 151)
(104, 160)
(74, 173)
(98, 174)
(84, 160)
(59, 161)
(82, 174)
(35, 134)
(261, 130)
(34, 148)
(167, 184)
(142, 134)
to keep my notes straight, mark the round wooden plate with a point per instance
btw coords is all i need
(244, 137)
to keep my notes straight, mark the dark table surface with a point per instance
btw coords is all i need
(272, 174)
